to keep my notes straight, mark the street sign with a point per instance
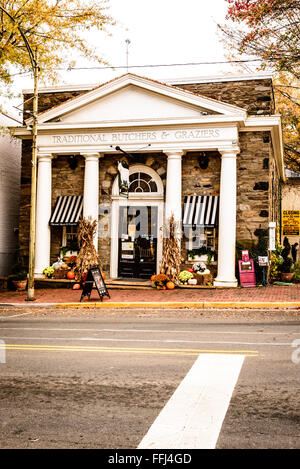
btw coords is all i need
(263, 261)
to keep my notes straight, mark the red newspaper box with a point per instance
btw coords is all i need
(246, 271)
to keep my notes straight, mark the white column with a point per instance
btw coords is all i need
(227, 219)
(43, 214)
(91, 190)
(173, 187)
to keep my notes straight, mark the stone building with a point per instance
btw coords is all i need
(208, 151)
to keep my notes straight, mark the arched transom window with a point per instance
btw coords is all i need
(141, 182)
(144, 183)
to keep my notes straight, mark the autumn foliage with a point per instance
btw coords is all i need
(268, 29)
(55, 28)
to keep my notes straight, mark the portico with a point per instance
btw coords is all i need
(144, 118)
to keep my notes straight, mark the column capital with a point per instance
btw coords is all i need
(92, 155)
(176, 154)
(230, 151)
(45, 156)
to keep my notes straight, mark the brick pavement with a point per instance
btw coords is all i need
(285, 294)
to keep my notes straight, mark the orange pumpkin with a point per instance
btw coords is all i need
(71, 275)
(170, 285)
(76, 286)
(152, 278)
(103, 275)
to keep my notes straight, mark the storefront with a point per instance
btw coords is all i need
(189, 155)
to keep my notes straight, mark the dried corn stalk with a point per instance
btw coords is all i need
(87, 255)
(171, 256)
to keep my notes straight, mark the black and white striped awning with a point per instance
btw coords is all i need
(67, 210)
(200, 210)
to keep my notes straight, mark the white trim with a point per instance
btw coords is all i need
(153, 199)
(135, 168)
(146, 84)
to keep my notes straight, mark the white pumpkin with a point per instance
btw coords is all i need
(192, 281)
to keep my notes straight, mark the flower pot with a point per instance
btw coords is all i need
(20, 284)
(287, 277)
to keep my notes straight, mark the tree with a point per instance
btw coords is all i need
(55, 28)
(287, 99)
(269, 29)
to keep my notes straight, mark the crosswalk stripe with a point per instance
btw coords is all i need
(193, 417)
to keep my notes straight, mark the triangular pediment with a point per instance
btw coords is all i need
(132, 98)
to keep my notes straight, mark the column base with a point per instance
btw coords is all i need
(226, 283)
(37, 275)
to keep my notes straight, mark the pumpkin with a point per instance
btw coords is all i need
(76, 286)
(170, 285)
(71, 275)
(192, 281)
(103, 275)
(152, 278)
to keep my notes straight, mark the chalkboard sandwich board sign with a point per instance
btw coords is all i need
(94, 276)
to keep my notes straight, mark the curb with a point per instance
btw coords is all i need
(162, 304)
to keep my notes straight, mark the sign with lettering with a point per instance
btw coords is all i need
(291, 223)
(263, 261)
(147, 136)
(94, 276)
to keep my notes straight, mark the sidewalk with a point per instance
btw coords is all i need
(274, 296)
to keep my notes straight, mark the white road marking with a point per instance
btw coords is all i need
(193, 417)
(14, 316)
(175, 341)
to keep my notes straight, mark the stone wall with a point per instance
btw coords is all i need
(47, 100)
(253, 182)
(256, 96)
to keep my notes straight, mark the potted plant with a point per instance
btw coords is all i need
(160, 281)
(202, 254)
(19, 274)
(19, 280)
(48, 271)
(285, 267)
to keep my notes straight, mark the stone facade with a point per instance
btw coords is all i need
(257, 177)
(253, 176)
(256, 96)
(48, 100)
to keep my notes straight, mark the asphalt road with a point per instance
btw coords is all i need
(77, 379)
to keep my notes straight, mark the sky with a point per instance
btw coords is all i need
(160, 32)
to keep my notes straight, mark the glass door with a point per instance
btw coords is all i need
(137, 241)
